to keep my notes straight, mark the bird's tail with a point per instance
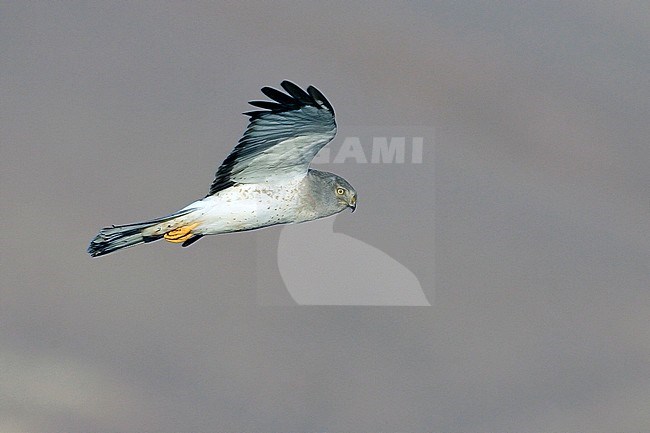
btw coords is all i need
(115, 238)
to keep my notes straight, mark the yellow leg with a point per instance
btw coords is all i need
(180, 234)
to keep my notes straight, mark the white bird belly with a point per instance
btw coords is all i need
(243, 207)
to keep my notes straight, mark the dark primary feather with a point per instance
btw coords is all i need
(295, 91)
(278, 96)
(263, 153)
(268, 105)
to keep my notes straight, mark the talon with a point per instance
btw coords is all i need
(180, 234)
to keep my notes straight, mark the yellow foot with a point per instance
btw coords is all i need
(180, 234)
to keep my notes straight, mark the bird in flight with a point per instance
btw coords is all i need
(266, 179)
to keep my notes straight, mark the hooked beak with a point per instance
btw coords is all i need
(352, 204)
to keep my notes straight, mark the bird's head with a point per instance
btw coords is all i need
(334, 193)
(345, 194)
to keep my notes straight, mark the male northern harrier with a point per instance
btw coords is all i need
(266, 179)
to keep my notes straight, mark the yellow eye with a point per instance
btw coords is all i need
(340, 191)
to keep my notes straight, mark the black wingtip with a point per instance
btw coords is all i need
(278, 96)
(319, 98)
(293, 99)
(295, 91)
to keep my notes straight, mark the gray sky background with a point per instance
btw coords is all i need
(527, 223)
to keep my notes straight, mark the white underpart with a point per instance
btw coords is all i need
(240, 207)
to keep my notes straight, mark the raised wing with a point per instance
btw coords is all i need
(281, 140)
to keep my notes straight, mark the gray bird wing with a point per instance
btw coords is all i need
(281, 140)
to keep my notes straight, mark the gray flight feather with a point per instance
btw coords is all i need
(281, 140)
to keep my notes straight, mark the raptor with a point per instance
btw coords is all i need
(266, 179)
